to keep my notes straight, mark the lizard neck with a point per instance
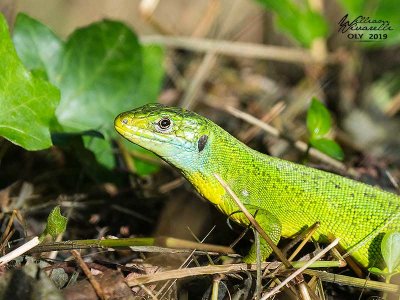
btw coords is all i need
(220, 156)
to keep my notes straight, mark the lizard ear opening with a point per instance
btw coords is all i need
(202, 142)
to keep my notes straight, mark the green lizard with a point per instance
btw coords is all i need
(285, 197)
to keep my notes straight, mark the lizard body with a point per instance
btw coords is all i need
(285, 197)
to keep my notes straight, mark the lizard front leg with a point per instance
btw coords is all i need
(269, 223)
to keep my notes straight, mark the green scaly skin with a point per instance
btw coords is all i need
(284, 196)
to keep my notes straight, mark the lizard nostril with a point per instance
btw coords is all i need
(125, 121)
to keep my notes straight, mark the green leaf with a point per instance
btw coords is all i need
(390, 247)
(386, 10)
(147, 92)
(144, 168)
(103, 80)
(379, 272)
(298, 20)
(37, 46)
(27, 102)
(101, 70)
(102, 149)
(56, 223)
(318, 119)
(152, 75)
(328, 147)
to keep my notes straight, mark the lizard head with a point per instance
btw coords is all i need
(177, 135)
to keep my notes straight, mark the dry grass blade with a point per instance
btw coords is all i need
(202, 72)
(236, 268)
(394, 106)
(355, 282)
(8, 228)
(196, 271)
(208, 19)
(239, 49)
(89, 275)
(169, 186)
(275, 111)
(299, 271)
(309, 232)
(187, 261)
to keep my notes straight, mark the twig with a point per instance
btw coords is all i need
(207, 19)
(356, 282)
(196, 83)
(298, 272)
(132, 213)
(169, 186)
(215, 286)
(275, 111)
(95, 284)
(240, 49)
(310, 231)
(131, 242)
(19, 251)
(237, 268)
(148, 292)
(301, 236)
(196, 271)
(394, 106)
(8, 227)
(147, 9)
(6, 239)
(392, 180)
(187, 261)
(258, 273)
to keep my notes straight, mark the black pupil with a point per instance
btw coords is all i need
(164, 123)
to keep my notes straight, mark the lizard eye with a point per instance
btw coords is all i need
(164, 124)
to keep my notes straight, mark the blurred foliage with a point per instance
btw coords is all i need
(27, 101)
(387, 10)
(298, 20)
(318, 119)
(383, 90)
(100, 70)
(318, 124)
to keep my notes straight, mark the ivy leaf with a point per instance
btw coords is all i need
(298, 20)
(37, 46)
(27, 102)
(56, 223)
(318, 119)
(328, 147)
(101, 70)
(390, 247)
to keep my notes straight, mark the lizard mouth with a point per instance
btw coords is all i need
(135, 134)
(144, 137)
